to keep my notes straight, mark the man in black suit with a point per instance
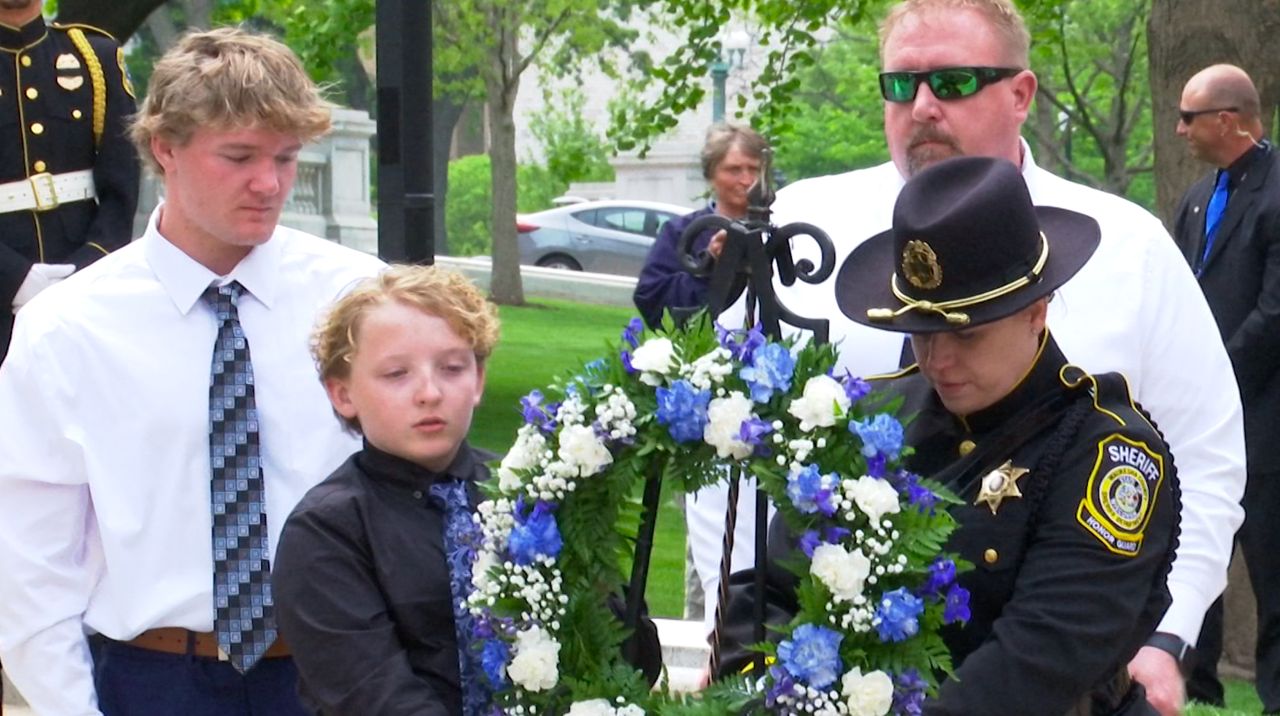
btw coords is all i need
(1228, 226)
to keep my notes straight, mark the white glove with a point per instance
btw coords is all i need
(40, 277)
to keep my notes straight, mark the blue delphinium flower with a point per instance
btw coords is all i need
(631, 334)
(535, 413)
(626, 362)
(919, 496)
(897, 615)
(956, 608)
(534, 535)
(881, 434)
(855, 388)
(812, 655)
(741, 344)
(683, 410)
(811, 491)
(783, 683)
(908, 693)
(941, 575)
(810, 540)
(753, 431)
(770, 370)
(494, 655)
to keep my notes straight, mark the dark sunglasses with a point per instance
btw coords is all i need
(1189, 115)
(946, 83)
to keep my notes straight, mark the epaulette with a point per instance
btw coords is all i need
(901, 373)
(1107, 389)
(82, 26)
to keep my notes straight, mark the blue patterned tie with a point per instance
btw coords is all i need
(462, 538)
(244, 617)
(1213, 214)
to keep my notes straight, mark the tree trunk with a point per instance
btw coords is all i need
(444, 117)
(121, 18)
(1185, 37)
(501, 85)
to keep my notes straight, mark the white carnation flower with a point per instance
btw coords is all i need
(655, 355)
(582, 449)
(843, 572)
(867, 694)
(480, 579)
(630, 710)
(536, 663)
(724, 425)
(822, 401)
(594, 707)
(875, 497)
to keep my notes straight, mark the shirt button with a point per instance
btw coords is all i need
(26, 60)
(990, 556)
(37, 128)
(966, 447)
(32, 93)
(417, 494)
(39, 166)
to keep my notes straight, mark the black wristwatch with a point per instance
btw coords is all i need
(1173, 645)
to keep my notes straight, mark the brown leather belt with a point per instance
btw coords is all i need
(176, 640)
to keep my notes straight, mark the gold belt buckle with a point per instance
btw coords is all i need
(44, 182)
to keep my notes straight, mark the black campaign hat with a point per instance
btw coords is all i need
(967, 247)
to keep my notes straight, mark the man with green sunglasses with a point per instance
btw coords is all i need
(955, 82)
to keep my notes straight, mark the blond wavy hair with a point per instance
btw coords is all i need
(227, 78)
(439, 292)
(1001, 14)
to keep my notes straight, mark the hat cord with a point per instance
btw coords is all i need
(943, 308)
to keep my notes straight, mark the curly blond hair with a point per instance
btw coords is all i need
(439, 292)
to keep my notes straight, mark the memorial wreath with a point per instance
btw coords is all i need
(561, 519)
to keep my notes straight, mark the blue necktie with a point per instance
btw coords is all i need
(1213, 214)
(462, 538)
(244, 617)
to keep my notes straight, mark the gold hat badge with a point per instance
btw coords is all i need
(920, 265)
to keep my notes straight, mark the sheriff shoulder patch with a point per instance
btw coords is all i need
(1120, 494)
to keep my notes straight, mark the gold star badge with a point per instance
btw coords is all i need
(1000, 483)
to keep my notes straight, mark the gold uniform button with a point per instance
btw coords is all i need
(32, 93)
(76, 114)
(990, 556)
(966, 447)
(39, 166)
(37, 128)
(26, 60)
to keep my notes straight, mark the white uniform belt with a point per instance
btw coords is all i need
(46, 191)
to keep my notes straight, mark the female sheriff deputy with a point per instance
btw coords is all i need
(1070, 502)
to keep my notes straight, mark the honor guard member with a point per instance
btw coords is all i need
(1069, 497)
(68, 172)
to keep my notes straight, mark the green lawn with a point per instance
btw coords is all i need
(1242, 700)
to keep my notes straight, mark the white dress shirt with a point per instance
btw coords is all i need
(1134, 308)
(105, 517)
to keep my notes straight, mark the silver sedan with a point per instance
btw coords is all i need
(611, 236)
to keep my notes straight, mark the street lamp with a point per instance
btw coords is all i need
(732, 51)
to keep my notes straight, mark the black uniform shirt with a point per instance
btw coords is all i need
(56, 83)
(1061, 596)
(362, 589)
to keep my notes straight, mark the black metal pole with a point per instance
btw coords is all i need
(405, 194)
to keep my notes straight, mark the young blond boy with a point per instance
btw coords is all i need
(374, 560)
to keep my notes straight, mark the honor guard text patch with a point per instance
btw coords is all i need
(1121, 493)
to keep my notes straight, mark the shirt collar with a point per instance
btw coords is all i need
(403, 473)
(186, 279)
(16, 39)
(1244, 162)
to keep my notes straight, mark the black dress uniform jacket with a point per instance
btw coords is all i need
(362, 590)
(64, 101)
(1069, 577)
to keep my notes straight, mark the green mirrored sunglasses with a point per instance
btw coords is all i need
(945, 83)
